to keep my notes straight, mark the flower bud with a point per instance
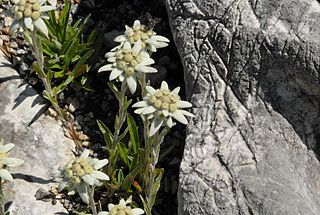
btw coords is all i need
(128, 57)
(36, 6)
(27, 12)
(35, 15)
(134, 63)
(173, 107)
(157, 103)
(18, 14)
(22, 2)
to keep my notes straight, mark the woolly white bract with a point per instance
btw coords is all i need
(81, 172)
(161, 106)
(6, 161)
(140, 33)
(127, 63)
(122, 209)
(29, 14)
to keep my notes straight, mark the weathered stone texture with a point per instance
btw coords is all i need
(41, 145)
(252, 73)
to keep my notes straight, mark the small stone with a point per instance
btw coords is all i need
(13, 44)
(85, 143)
(83, 137)
(91, 115)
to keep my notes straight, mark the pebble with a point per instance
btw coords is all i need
(14, 44)
(21, 52)
(74, 105)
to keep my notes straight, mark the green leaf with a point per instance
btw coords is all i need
(36, 67)
(146, 207)
(76, 70)
(114, 90)
(134, 134)
(123, 153)
(155, 186)
(120, 176)
(130, 177)
(108, 137)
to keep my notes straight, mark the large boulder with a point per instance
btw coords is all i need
(41, 145)
(252, 73)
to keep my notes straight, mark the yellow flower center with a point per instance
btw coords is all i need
(120, 210)
(163, 100)
(127, 60)
(78, 168)
(27, 8)
(139, 33)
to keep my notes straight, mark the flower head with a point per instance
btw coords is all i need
(81, 172)
(127, 63)
(162, 105)
(6, 161)
(140, 33)
(122, 209)
(29, 14)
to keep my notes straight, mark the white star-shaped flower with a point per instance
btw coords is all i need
(122, 209)
(6, 161)
(127, 63)
(29, 14)
(140, 33)
(162, 105)
(81, 172)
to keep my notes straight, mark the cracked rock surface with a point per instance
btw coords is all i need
(252, 73)
(41, 145)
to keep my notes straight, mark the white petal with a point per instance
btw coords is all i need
(53, 2)
(100, 175)
(115, 73)
(164, 85)
(136, 48)
(149, 110)
(103, 213)
(88, 179)
(13, 162)
(28, 23)
(107, 67)
(110, 206)
(47, 8)
(126, 45)
(160, 38)
(179, 117)
(155, 125)
(183, 104)
(39, 23)
(150, 90)
(110, 54)
(85, 153)
(121, 77)
(139, 111)
(146, 61)
(120, 38)
(83, 193)
(101, 163)
(132, 84)
(165, 113)
(169, 122)
(136, 24)
(186, 113)
(145, 69)
(137, 211)
(6, 147)
(140, 104)
(112, 59)
(129, 200)
(5, 174)
(176, 91)
(16, 1)
(152, 48)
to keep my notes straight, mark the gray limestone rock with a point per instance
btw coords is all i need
(252, 73)
(41, 145)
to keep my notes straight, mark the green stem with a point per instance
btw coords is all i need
(122, 114)
(91, 200)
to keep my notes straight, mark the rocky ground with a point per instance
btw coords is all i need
(109, 18)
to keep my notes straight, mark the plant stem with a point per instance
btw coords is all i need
(91, 200)
(122, 114)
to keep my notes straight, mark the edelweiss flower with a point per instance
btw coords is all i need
(122, 209)
(127, 63)
(162, 105)
(150, 40)
(29, 13)
(6, 161)
(81, 172)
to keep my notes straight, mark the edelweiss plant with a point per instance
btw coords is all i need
(127, 64)
(161, 106)
(141, 33)
(122, 209)
(30, 13)
(81, 175)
